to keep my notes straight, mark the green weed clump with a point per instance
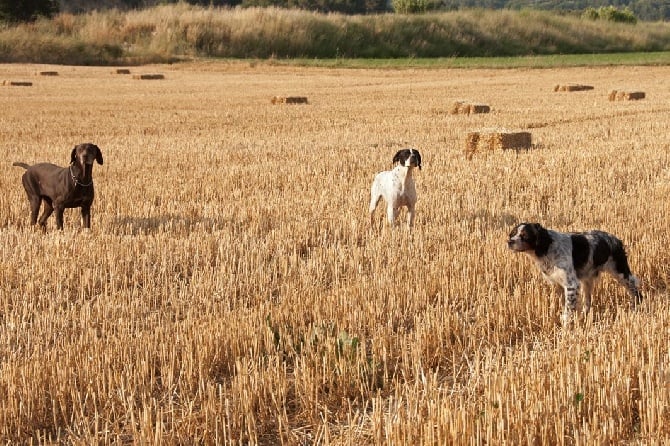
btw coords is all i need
(610, 13)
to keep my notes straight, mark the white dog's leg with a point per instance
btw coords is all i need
(375, 196)
(410, 215)
(391, 214)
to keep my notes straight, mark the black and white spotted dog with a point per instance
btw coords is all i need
(397, 187)
(569, 259)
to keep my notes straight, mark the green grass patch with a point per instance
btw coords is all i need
(550, 61)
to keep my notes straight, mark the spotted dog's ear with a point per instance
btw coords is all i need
(418, 159)
(542, 239)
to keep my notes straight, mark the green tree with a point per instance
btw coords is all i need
(341, 6)
(26, 10)
(414, 6)
(611, 13)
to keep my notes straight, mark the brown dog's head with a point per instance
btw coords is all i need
(85, 154)
(531, 237)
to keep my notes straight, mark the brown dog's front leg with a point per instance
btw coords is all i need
(59, 217)
(86, 217)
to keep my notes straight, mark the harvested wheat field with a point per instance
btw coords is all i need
(230, 290)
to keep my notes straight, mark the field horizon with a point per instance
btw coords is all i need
(231, 291)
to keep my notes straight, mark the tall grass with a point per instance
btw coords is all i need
(173, 31)
(231, 292)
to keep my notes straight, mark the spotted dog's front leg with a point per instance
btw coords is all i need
(571, 294)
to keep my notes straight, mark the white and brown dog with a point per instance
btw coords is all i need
(397, 187)
(571, 259)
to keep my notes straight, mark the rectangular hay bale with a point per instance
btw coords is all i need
(48, 73)
(17, 83)
(490, 140)
(148, 76)
(620, 95)
(122, 71)
(573, 87)
(467, 108)
(289, 100)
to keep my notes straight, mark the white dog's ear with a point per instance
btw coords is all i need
(397, 158)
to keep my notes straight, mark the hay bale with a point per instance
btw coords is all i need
(122, 71)
(466, 108)
(289, 100)
(494, 139)
(479, 108)
(620, 95)
(471, 144)
(572, 87)
(148, 76)
(17, 83)
(47, 73)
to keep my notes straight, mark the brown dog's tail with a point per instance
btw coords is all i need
(19, 164)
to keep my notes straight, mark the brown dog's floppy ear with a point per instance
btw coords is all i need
(98, 155)
(73, 156)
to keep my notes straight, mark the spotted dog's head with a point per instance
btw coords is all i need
(408, 158)
(529, 237)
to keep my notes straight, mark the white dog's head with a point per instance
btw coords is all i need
(408, 158)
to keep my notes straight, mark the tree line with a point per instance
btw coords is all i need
(646, 10)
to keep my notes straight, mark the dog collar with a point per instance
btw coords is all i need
(76, 181)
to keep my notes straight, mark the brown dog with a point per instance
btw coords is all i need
(62, 187)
